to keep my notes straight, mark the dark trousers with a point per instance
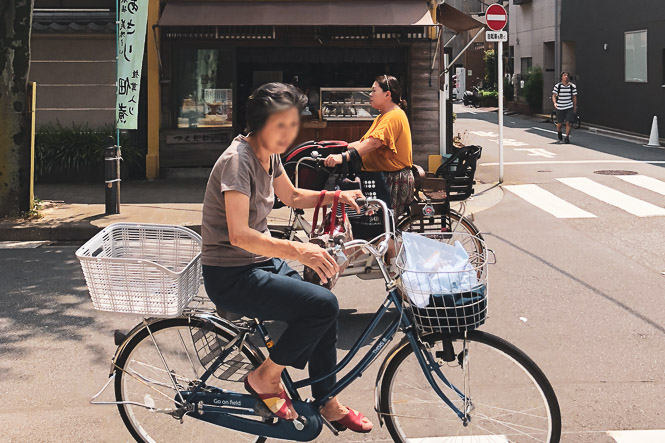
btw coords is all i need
(271, 290)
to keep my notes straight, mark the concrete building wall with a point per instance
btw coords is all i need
(593, 36)
(532, 33)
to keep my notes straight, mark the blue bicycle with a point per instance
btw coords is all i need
(180, 379)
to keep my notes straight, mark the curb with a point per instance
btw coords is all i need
(60, 232)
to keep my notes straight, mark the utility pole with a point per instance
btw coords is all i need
(15, 126)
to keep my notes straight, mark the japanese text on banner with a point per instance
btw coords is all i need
(131, 40)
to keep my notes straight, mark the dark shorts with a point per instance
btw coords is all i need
(565, 115)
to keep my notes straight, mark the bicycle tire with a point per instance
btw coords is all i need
(456, 219)
(253, 355)
(512, 352)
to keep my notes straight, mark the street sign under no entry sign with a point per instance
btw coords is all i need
(496, 17)
(496, 36)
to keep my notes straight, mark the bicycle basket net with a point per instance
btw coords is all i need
(209, 345)
(444, 281)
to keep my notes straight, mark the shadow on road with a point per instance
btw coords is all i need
(659, 327)
(45, 301)
(581, 138)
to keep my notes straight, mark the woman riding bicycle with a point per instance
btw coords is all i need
(243, 267)
(386, 147)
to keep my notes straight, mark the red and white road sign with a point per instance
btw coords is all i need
(496, 16)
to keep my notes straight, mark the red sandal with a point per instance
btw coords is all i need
(279, 404)
(352, 421)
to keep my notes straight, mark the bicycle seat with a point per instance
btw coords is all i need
(228, 315)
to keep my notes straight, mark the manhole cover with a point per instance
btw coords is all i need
(614, 172)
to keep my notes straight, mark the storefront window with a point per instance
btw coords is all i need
(204, 88)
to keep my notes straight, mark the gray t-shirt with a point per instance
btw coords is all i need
(237, 169)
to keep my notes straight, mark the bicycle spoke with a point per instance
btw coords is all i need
(506, 401)
(155, 374)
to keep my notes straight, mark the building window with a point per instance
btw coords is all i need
(525, 65)
(636, 56)
(204, 95)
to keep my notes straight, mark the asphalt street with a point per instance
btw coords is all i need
(578, 285)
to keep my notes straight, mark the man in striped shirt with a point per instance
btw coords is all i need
(564, 97)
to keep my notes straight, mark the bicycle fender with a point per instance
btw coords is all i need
(379, 376)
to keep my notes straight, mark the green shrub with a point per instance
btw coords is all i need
(490, 69)
(79, 150)
(533, 89)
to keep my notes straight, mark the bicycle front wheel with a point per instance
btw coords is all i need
(509, 397)
(169, 358)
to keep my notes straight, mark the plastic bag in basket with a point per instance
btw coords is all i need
(432, 267)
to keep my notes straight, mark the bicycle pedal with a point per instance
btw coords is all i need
(262, 410)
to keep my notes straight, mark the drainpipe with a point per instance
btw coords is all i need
(557, 38)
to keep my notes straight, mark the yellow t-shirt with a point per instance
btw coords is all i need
(393, 129)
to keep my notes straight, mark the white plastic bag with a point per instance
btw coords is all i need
(434, 268)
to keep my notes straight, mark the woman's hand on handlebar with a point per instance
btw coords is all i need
(333, 160)
(317, 258)
(350, 197)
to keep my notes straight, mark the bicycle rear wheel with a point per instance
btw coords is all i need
(186, 346)
(511, 400)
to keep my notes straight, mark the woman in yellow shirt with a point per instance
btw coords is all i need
(386, 147)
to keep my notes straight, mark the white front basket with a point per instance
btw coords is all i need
(147, 269)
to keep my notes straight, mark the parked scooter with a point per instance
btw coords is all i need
(472, 98)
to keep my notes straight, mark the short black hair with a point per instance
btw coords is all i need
(270, 99)
(564, 72)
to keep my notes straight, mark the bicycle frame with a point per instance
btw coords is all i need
(229, 409)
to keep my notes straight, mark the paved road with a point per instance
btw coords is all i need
(589, 288)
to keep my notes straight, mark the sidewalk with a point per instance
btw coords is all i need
(75, 212)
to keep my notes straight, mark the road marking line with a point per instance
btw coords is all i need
(548, 202)
(538, 152)
(643, 181)
(485, 133)
(544, 130)
(464, 439)
(613, 197)
(510, 142)
(651, 436)
(577, 162)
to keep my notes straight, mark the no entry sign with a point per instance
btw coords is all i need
(496, 17)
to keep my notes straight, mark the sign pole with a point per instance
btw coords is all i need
(500, 80)
(497, 18)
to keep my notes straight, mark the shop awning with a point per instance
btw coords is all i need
(456, 20)
(297, 13)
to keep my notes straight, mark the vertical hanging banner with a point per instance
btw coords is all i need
(131, 28)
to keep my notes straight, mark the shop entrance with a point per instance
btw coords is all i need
(313, 68)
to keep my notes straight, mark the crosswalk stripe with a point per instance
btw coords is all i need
(462, 439)
(651, 436)
(548, 202)
(613, 197)
(643, 181)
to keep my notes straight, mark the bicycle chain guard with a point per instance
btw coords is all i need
(229, 409)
